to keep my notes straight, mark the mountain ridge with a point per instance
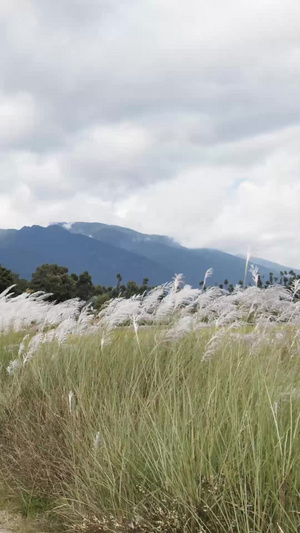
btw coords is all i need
(183, 259)
(32, 246)
(104, 250)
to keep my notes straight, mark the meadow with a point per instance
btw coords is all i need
(173, 411)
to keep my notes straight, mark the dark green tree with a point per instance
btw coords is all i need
(54, 279)
(144, 287)
(119, 279)
(84, 286)
(6, 278)
(100, 300)
(99, 290)
(131, 289)
(21, 285)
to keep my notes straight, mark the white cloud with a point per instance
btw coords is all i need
(106, 156)
(218, 206)
(169, 118)
(18, 117)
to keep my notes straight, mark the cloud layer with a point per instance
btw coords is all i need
(166, 117)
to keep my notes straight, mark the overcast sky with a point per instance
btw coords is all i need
(166, 116)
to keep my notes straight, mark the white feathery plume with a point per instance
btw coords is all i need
(6, 294)
(214, 343)
(135, 324)
(181, 328)
(208, 274)
(22, 346)
(246, 265)
(65, 328)
(229, 317)
(152, 299)
(120, 311)
(70, 401)
(165, 310)
(183, 307)
(13, 366)
(97, 440)
(33, 346)
(178, 281)
(186, 296)
(105, 339)
(254, 271)
(295, 287)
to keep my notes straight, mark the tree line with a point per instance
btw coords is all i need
(63, 286)
(286, 279)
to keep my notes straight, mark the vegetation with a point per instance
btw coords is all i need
(286, 279)
(188, 424)
(63, 286)
(8, 278)
(152, 439)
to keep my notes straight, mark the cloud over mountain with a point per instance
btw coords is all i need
(167, 117)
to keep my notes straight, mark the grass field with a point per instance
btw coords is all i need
(163, 428)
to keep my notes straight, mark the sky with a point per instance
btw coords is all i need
(168, 117)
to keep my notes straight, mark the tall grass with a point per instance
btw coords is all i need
(188, 424)
(156, 436)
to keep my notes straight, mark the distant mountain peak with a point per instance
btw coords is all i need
(105, 232)
(104, 250)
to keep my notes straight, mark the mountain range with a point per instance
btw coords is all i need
(104, 250)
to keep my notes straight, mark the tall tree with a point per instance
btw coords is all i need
(84, 286)
(6, 278)
(119, 279)
(54, 279)
(131, 289)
